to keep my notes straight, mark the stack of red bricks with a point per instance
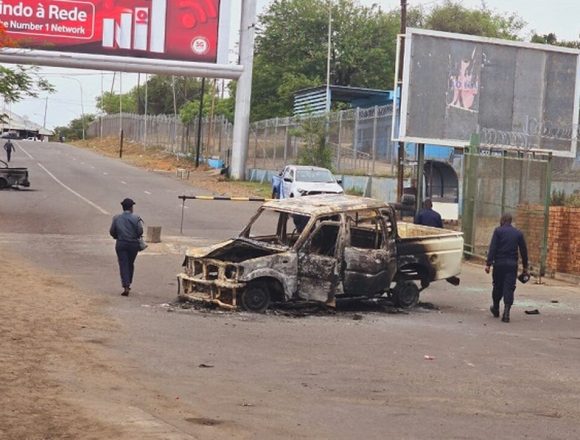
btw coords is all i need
(564, 240)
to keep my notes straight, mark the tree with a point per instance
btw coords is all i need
(74, 130)
(160, 94)
(553, 40)
(19, 81)
(291, 50)
(452, 16)
(291, 45)
(316, 151)
(109, 103)
(213, 105)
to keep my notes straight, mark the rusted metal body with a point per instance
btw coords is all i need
(319, 248)
(12, 176)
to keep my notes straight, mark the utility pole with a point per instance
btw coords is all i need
(401, 152)
(45, 110)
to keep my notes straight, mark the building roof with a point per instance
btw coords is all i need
(12, 121)
(323, 204)
(315, 100)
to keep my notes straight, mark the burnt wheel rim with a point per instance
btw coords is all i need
(407, 295)
(256, 299)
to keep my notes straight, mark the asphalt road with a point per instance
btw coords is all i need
(451, 372)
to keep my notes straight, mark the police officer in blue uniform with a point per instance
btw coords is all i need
(127, 229)
(428, 216)
(503, 255)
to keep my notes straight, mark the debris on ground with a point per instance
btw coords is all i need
(428, 357)
(302, 309)
(205, 366)
(532, 312)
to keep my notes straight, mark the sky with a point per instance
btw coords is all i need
(65, 104)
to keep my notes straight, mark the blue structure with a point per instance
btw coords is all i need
(315, 100)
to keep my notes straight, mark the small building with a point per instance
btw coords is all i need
(19, 127)
(319, 100)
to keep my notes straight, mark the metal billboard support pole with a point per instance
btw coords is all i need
(547, 199)
(420, 177)
(244, 91)
(199, 121)
(401, 149)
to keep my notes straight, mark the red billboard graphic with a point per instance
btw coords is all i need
(185, 30)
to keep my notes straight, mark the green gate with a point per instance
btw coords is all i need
(496, 182)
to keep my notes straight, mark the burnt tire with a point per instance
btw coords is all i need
(255, 298)
(406, 294)
(3, 183)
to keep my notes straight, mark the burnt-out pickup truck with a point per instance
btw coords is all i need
(10, 177)
(321, 248)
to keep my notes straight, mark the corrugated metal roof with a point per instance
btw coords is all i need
(12, 121)
(314, 101)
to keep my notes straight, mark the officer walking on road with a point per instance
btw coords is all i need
(127, 229)
(9, 147)
(503, 255)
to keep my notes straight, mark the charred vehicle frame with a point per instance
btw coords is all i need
(321, 248)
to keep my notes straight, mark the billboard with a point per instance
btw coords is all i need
(181, 30)
(515, 95)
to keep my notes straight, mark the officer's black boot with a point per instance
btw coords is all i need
(494, 309)
(506, 314)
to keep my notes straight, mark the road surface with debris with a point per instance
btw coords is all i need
(80, 361)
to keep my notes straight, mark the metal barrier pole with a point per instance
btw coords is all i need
(182, 213)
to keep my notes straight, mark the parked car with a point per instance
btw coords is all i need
(346, 247)
(301, 180)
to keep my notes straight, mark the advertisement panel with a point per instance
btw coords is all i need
(515, 95)
(182, 30)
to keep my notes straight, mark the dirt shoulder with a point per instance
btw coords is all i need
(58, 380)
(41, 319)
(157, 159)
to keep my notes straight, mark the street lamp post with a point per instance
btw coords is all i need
(82, 104)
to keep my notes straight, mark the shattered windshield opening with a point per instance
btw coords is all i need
(314, 176)
(276, 227)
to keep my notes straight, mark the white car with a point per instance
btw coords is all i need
(302, 180)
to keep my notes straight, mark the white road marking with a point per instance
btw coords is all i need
(84, 199)
(123, 182)
(105, 173)
(147, 192)
(24, 151)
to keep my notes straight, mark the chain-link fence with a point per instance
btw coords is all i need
(497, 183)
(168, 132)
(360, 141)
